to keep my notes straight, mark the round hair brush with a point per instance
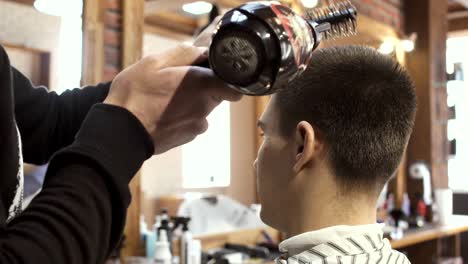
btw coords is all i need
(260, 47)
(336, 20)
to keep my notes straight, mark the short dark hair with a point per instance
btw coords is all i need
(363, 103)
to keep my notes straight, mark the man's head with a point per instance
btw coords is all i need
(339, 131)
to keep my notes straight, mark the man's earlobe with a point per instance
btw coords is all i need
(305, 144)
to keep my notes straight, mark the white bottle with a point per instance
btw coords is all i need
(185, 242)
(195, 254)
(162, 254)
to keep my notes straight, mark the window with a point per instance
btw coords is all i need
(206, 161)
(71, 40)
(457, 95)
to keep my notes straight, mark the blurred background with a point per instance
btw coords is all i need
(64, 44)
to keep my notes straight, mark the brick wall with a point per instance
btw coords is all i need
(112, 38)
(389, 12)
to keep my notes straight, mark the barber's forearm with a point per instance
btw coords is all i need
(70, 221)
(115, 139)
(48, 121)
(79, 215)
(115, 142)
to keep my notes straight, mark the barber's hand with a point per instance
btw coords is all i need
(204, 38)
(170, 98)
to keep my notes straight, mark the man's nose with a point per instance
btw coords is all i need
(255, 163)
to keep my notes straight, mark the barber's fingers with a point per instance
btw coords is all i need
(204, 38)
(180, 55)
(212, 86)
(200, 82)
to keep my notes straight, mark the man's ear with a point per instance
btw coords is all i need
(305, 145)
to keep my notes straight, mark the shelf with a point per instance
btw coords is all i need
(457, 225)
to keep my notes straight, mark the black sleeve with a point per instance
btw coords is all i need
(48, 121)
(79, 215)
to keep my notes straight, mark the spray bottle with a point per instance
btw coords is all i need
(162, 251)
(186, 240)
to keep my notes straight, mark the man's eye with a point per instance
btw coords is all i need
(262, 134)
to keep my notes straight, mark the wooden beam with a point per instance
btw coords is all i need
(462, 2)
(426, 65)
(173, 22)
(459, 24)
(132, 47)
(93, 42)
(166, 33)
(458, 14)
(231, 3)
(132, 37)
(25, 2)
(24, 47)
(454, 7)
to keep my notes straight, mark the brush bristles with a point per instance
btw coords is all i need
(340, 16)
(342, 29)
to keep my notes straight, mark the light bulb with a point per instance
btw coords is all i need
(386, 47)
(310, 3)
(59, 7)
(450, 68)
(197, 8)
(408, 45)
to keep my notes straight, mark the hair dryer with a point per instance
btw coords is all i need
(260, 47)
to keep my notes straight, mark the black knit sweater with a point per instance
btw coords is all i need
(93, 149)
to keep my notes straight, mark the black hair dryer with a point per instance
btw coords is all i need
(260, 47)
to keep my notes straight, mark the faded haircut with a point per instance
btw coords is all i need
(363, 103)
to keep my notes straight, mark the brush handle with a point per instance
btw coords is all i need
(336, 20)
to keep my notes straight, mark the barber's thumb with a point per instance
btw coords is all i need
(184, 55)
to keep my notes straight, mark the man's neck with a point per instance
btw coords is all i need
(322, 214)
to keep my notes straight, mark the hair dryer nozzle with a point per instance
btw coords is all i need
(261, 47)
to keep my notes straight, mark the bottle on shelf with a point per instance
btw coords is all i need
(162, 254)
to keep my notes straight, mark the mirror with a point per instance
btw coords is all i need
(218, 162)
(202, 166)
(457, 70)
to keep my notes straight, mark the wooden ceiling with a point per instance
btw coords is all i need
(27, 2)
(168, 14)
(458, 15)
(457, 5)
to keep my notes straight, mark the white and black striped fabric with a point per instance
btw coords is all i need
(363, 248)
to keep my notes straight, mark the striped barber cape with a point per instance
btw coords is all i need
(341, 245)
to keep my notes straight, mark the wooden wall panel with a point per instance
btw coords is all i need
(132, 45)
(426, 64)
(458, 24)
(102, 40)
(34, 64)
(93, 42)
(113, 32)
(133, 24)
